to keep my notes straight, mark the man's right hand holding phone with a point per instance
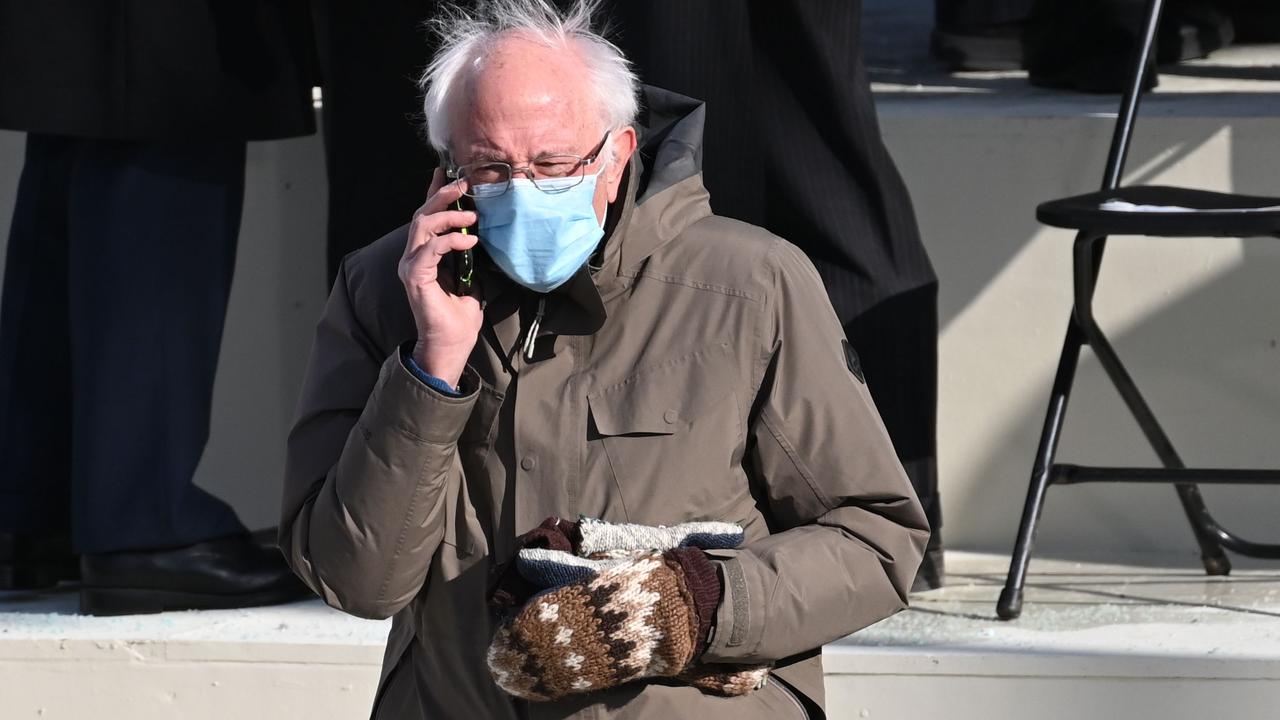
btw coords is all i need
(447, 324)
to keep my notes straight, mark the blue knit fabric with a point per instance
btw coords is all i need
(712, 541)
(550, 572)
(431, 380)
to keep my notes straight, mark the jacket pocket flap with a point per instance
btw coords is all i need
(664, 399)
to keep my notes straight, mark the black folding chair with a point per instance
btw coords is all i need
(1095, 217)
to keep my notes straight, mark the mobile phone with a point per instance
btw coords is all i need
(464, 262)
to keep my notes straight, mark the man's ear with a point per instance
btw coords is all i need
(622, 145)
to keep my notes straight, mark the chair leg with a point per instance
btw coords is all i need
(1009, 606)
(1088, 255)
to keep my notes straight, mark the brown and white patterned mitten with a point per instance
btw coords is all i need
(636, 619)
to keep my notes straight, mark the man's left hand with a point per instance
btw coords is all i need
(644, 617)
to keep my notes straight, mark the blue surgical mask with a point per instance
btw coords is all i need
(538, 238)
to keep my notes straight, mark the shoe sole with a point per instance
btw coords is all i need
(103, 602)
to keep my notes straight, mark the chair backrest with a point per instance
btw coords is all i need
(1145, 55)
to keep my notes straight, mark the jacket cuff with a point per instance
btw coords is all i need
(406, 357)
(738, 627)
(403, 403)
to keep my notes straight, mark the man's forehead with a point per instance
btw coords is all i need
(521, 101)
(521, 144)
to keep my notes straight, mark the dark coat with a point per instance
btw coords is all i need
(157, 69)
(793, 143)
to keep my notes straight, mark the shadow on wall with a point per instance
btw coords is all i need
(1208, 365)
(1195, 320)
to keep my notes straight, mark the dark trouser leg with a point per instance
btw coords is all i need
(153, 231)
(35, 374)
(897, 342)
(980, 34)
(962, 14)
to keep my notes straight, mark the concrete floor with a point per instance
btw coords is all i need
(1147, 637)
(1150, 606)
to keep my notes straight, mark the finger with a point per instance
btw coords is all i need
(427, 256)
(417, 233)
(438, 180)
(445, 244)
(447, 221)
(441, 244)
(445, 197)
(428, 225)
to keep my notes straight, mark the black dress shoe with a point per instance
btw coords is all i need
(932, 573)
(232, 572)
(986, 48)
(33, 562)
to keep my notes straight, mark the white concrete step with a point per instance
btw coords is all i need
(1153, 638)
(1148, 639)
(302, 660)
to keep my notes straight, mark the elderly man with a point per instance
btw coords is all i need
(651, 408)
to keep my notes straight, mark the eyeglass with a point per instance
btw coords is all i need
(549, 173)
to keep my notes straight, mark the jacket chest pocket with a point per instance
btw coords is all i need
(672, 435)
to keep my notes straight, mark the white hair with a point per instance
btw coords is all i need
(466, 36)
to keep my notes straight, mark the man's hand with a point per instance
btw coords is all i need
(447, 324)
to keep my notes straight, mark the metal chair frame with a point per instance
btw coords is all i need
(1083, 329)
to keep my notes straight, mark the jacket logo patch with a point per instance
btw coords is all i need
(851, 359)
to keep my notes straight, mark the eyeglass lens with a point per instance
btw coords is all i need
(490, 179)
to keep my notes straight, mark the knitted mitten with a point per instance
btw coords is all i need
(619, 596)
(635, 619)
(598, 536)
(729, 680)
(558, 552)
(508, 589)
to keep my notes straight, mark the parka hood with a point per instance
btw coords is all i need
(664, 193)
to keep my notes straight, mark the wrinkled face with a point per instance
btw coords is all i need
(524, 101)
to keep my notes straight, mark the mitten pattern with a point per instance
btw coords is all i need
(621, 602)
(726, 679)
(633, 620)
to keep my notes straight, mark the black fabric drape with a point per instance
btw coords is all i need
(793, 143)
(378, 163)
(166, 70)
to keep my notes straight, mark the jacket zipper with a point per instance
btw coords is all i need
(531, 336)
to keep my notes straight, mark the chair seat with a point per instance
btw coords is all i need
(1163, 211)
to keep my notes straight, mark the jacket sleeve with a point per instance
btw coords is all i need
(368, 461)
(849, 532)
